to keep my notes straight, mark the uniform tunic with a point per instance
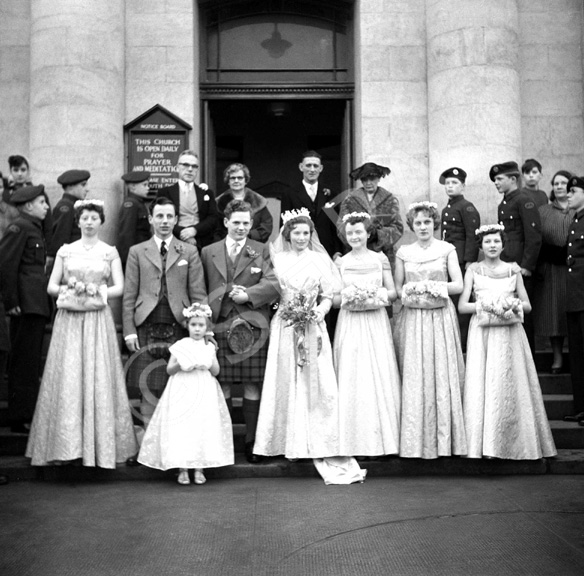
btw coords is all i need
(133, 226)
(65, 228)
(460, 220)
(575, 308)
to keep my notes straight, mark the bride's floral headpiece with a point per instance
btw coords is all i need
(88, 202)
(490, 229)
(425, 205)
(197, 310)
(291, 214)
(356, 215)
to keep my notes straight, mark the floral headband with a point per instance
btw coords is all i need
(291, 214)
(356, 215)
(490, 229)
(88, 202)
(425, 205)
(197, 310)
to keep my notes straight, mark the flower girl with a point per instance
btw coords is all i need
(191, 427)
(503, 407)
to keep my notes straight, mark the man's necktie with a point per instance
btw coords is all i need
(163, 249)
(234, 251)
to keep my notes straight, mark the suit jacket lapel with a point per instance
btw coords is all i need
(320, 200)
(305, 198)
(218, 256)
(151, 252)
(173, 254)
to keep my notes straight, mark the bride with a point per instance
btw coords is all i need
(299, 414)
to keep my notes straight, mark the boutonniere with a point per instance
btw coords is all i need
(329, 204)
(255, 270)
(206, 197)
(179, 248)
(203, 186)
(326, 192)
(251, 252)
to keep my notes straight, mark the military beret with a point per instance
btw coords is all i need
(369, 169)
(26, 194)
(136, 177)
(458, 173)
(576, 182)
(505, 169)
(73, 177)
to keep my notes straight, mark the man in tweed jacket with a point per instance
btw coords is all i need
(241, 285)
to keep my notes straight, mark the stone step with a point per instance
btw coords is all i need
(555, 383)
(566, 462)
(558, 405)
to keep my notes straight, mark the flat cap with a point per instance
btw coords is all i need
(505, 169)
(71, 177)
(369, 169)
(458, 173)
(26, 194)
(576, 182)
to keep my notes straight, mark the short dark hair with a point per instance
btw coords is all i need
(161, 201)
(236, 206)
(311, 154)
(89, 206)
(17, 160)
(563, 173)
(293, 222)
(481, 235)
(529, 165)
(349, 219)
(429, 210)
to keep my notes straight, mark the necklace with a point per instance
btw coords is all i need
(88, 247)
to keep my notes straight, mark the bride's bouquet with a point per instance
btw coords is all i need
(298, 312)
(360, 297)
(426, 294)
(79, 296)
(501, 310)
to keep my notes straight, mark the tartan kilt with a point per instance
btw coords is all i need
(146, 368)
(248, 367)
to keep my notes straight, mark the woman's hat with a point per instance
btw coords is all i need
(369, 169)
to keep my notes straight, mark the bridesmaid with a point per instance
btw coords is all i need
(427, 341)
(503, 407)
(364, 357)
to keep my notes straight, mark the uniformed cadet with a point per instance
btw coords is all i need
(65, 228)
(575, 293)
(520, 216)
(133, 224)
(532, 173)
(460, 220)
(24, 291)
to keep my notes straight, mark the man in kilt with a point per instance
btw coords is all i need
(241, 285)
(163, 276)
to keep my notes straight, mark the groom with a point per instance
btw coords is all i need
(241, 284)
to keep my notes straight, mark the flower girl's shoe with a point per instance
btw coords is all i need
(199, 477)
(183, 477)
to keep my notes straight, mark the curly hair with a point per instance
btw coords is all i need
(293, 222)
(480, 236)
(236, 167)
(237, 206)
(429, 211)
(88, 206)
(355, 219)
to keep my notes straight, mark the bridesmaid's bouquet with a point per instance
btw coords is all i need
(298, 312)
(426, 294)
(78, 296)
(499, 311)
(360, 297)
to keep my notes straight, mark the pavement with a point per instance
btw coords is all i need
(403, 525)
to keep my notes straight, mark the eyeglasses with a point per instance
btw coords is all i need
(236, 177)
(187, 165)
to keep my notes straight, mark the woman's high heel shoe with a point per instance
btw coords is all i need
(556, 369)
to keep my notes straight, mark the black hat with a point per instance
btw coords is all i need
(576, 182)
(458, 173)
(73, 177)
(369, 169)
(506, 169)
(136, 177)
(26, 194)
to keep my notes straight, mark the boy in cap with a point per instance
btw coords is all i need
(460, 220)
(24, 291)
(531, 171)
(134, 226)
(65, 228)
(575, 303)
(520, 216)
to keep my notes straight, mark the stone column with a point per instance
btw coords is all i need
(77, 96)
(474, 102)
